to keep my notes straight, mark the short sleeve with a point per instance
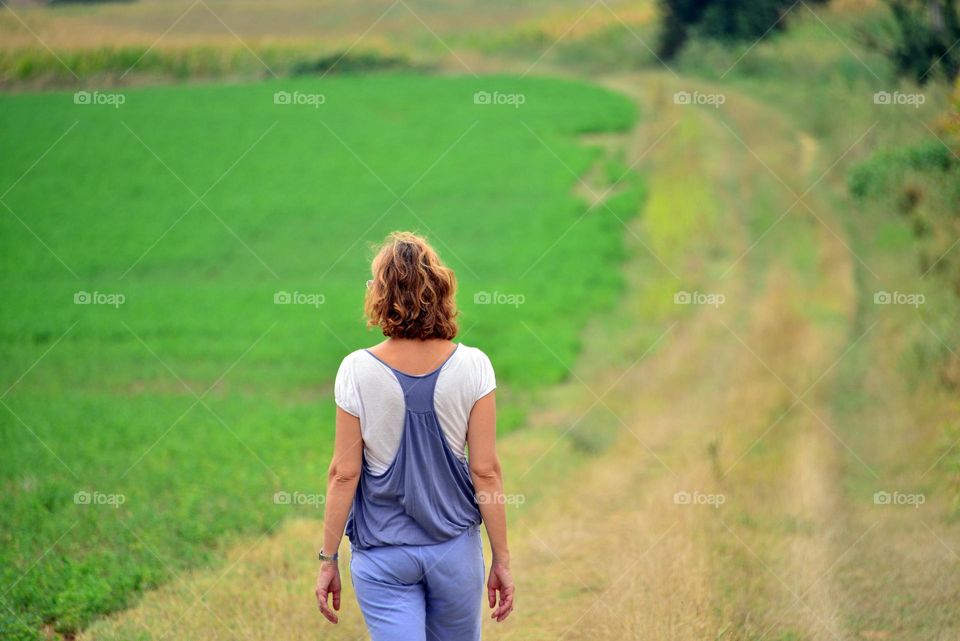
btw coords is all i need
(345, 392)
(486, 379)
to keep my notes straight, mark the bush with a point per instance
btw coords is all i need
(725, 20)
(32, 64)
(879, 175)
(354, 63)
(56, 2)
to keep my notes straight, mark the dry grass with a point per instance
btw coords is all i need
(149, 41)
(182, 23)
(264, 591)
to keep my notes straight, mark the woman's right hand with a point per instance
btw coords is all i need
(500, 581)
(328, 584)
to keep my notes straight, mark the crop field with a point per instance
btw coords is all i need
(157, 364)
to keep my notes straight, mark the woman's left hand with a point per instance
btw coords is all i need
(328, 582)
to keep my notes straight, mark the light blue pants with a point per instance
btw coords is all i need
(421, 592)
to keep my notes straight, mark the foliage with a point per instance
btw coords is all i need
(115, 63)
(68, 2)
(724, 20)
(880, 173)
(922, 38)
(347, 62)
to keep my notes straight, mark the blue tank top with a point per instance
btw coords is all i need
(426, 495)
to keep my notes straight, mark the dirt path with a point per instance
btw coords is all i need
(715, 512)
(648, 564)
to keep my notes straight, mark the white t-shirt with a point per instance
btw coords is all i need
(368, 389)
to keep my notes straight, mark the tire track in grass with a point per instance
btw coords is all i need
(855, 570)
(636, 584)
(789, 347)
(801, 469)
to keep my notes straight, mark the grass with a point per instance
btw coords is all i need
(892, 394)
(178, 21)
(910, 194)
(115, 64)
(198, 397)
(179, 40)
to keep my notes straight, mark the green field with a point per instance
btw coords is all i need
(180, 413)
(198, 397)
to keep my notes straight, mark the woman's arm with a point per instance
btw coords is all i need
(342, 481)
(488, 484)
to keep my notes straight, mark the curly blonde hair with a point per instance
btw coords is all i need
(412, 291)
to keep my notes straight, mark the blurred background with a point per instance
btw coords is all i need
(710, 247)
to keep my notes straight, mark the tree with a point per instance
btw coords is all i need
(925, 38)
(728, 20)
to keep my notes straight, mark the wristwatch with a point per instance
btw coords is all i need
(324, 557)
